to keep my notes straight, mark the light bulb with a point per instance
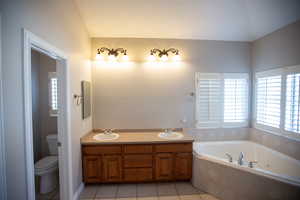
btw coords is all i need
(151, 58)
(98, 56)
(125, 58)
(176, 57)
(112, 58)
(164, 58)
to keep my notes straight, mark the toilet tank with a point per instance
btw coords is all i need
(52, 144)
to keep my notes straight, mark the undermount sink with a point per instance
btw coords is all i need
(102, 136)
(170, 136)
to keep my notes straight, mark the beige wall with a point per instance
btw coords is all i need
(57, 22)
(143, 95)
(278, 49)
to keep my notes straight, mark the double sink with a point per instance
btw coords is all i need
(168, 135)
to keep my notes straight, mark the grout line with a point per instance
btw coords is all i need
(116, 193)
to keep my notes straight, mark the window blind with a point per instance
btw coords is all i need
(235, 100)
(268, 96)
(53, 94)
(209, 100)
(292, 110)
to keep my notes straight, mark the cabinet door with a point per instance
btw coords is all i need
(164, 166)
(112, 171)
(92, 169)
(183, 166)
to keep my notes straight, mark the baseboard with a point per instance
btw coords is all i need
(78, 191)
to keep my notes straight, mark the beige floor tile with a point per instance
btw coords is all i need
(148, 198)
(104, 198)
(126, 198)
(166, 189)
(107, 191)
(89, 192)
(171, 197)
(147, 190)
(127, 190)
(207, 197)
(186, 188)
(190, 197)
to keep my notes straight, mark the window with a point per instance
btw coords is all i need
(292, 109)
(235, 99)
(53, 94)
(221, 100)
(208, 91)
(278, 100)
(268, 101)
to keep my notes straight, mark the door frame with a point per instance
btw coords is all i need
(3, 192)
(31, 41)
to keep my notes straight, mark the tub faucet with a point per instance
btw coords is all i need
(241, 159)
(229, 157)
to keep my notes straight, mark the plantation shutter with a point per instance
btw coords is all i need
(268, 99)
(209, 100)
(292, 104)
(235, 100)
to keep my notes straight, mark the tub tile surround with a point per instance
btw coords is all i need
(145, 191)
(285, 145)
(228, 183)
(218, 134)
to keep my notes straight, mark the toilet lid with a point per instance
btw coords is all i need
(47, 162)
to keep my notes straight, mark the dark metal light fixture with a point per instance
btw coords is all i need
(163, 54)
(112, 53)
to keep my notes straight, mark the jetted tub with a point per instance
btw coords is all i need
(275, 176)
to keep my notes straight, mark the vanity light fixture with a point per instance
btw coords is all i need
(112, 54)
(163, 54)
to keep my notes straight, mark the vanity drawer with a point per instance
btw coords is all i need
(131, 161)
(138, 174)
(170, 148)
(138, 148)
(98, 150)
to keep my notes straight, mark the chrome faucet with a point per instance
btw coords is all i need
(108, 131)
(229, 157)
(241, 159)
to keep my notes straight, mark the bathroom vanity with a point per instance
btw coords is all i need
(136, 157)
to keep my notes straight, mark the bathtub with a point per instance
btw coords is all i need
(274, 176)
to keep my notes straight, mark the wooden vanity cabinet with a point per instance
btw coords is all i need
(112, 168)
(137, 162)
(92, 169)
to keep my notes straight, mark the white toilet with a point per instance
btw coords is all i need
(47, 167)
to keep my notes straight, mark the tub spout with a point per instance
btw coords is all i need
(241, 159)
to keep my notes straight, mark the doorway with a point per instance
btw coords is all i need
(48, 171)
(44, 91)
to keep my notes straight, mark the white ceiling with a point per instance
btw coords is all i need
(233, 20)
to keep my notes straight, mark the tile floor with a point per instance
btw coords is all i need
(144, 191)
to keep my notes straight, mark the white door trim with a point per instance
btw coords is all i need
(31, 41)
(3, 191)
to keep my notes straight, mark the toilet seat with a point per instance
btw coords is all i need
(46, 165)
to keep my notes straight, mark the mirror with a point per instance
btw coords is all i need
(86, 99)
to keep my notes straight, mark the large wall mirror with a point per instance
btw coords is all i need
(86, 99)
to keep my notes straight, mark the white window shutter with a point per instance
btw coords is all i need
(292, 104)
(268, 99)
(209, 100)
(53, 94)
(236, 100)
